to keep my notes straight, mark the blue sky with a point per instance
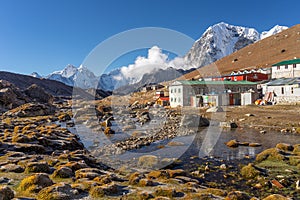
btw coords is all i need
(46, 35)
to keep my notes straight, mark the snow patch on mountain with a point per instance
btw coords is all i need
(276, 29)
(35, 75)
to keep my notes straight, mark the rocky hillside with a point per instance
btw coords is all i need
(22, 82)
(261, 54)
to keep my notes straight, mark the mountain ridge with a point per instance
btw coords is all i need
(216, 42)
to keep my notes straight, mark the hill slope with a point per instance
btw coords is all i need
(282, 46)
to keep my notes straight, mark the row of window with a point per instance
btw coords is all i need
(175, 91)
(175, 99)
(286, 66)
(282, 90)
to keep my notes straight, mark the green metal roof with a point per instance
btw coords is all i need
(217, 83)
(288, 62)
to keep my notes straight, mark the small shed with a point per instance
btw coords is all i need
(248, 98)
(163, 101)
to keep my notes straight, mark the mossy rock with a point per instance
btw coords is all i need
(176, 172)
(237, 195)
(59, 191)
(103, 179)
(158, 174)
(145, 182)
(215, 191)
(285, 147)
(101, 191)
(6, 193)
(35, 183)
(232, 143)
(270, 154)
(37, 167)
(135, 178)
(165, 192)
(108, 131)
(294, 160)
(249, 171)
(64, 117)
(275, 197)
(296, 148)
(63, 172)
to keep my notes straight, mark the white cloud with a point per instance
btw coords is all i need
(155, 60)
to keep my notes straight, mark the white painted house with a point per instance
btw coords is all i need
(286, 69)
(284, 89)
(185, 93)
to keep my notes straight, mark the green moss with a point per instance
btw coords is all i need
(214, 191)
(165, 192)
(249, 171)
(270, 154)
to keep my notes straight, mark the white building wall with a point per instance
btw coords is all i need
(288, 71)
(285, 93)
(176, 95)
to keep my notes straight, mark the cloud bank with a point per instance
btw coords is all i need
(154, 61)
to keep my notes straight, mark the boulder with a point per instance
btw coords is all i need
(38, 94)
(6, 193)
(237, 195)
(59, 191)
(35, 183)
(63, 172)
(194, 121)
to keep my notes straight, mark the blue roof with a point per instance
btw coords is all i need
(284, 81)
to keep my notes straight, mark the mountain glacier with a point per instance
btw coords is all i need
(215, 43)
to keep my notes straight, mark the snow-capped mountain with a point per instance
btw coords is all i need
(276, 29)
(217, 41)
(73, 76)
(35, 75)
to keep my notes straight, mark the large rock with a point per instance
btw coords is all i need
(59, 191)
(10, 96)
(38, 94)
(6, 193)
(192, 121)
(35, 183)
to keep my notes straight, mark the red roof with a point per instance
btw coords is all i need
(164, 98)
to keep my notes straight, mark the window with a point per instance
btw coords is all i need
(171, 90)
(278, 67)
(292, 90)
(286, 67)
(175, 90)
(171, 99)
(174, 99)
(179, 90)
(282, 90)
(294, 65)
